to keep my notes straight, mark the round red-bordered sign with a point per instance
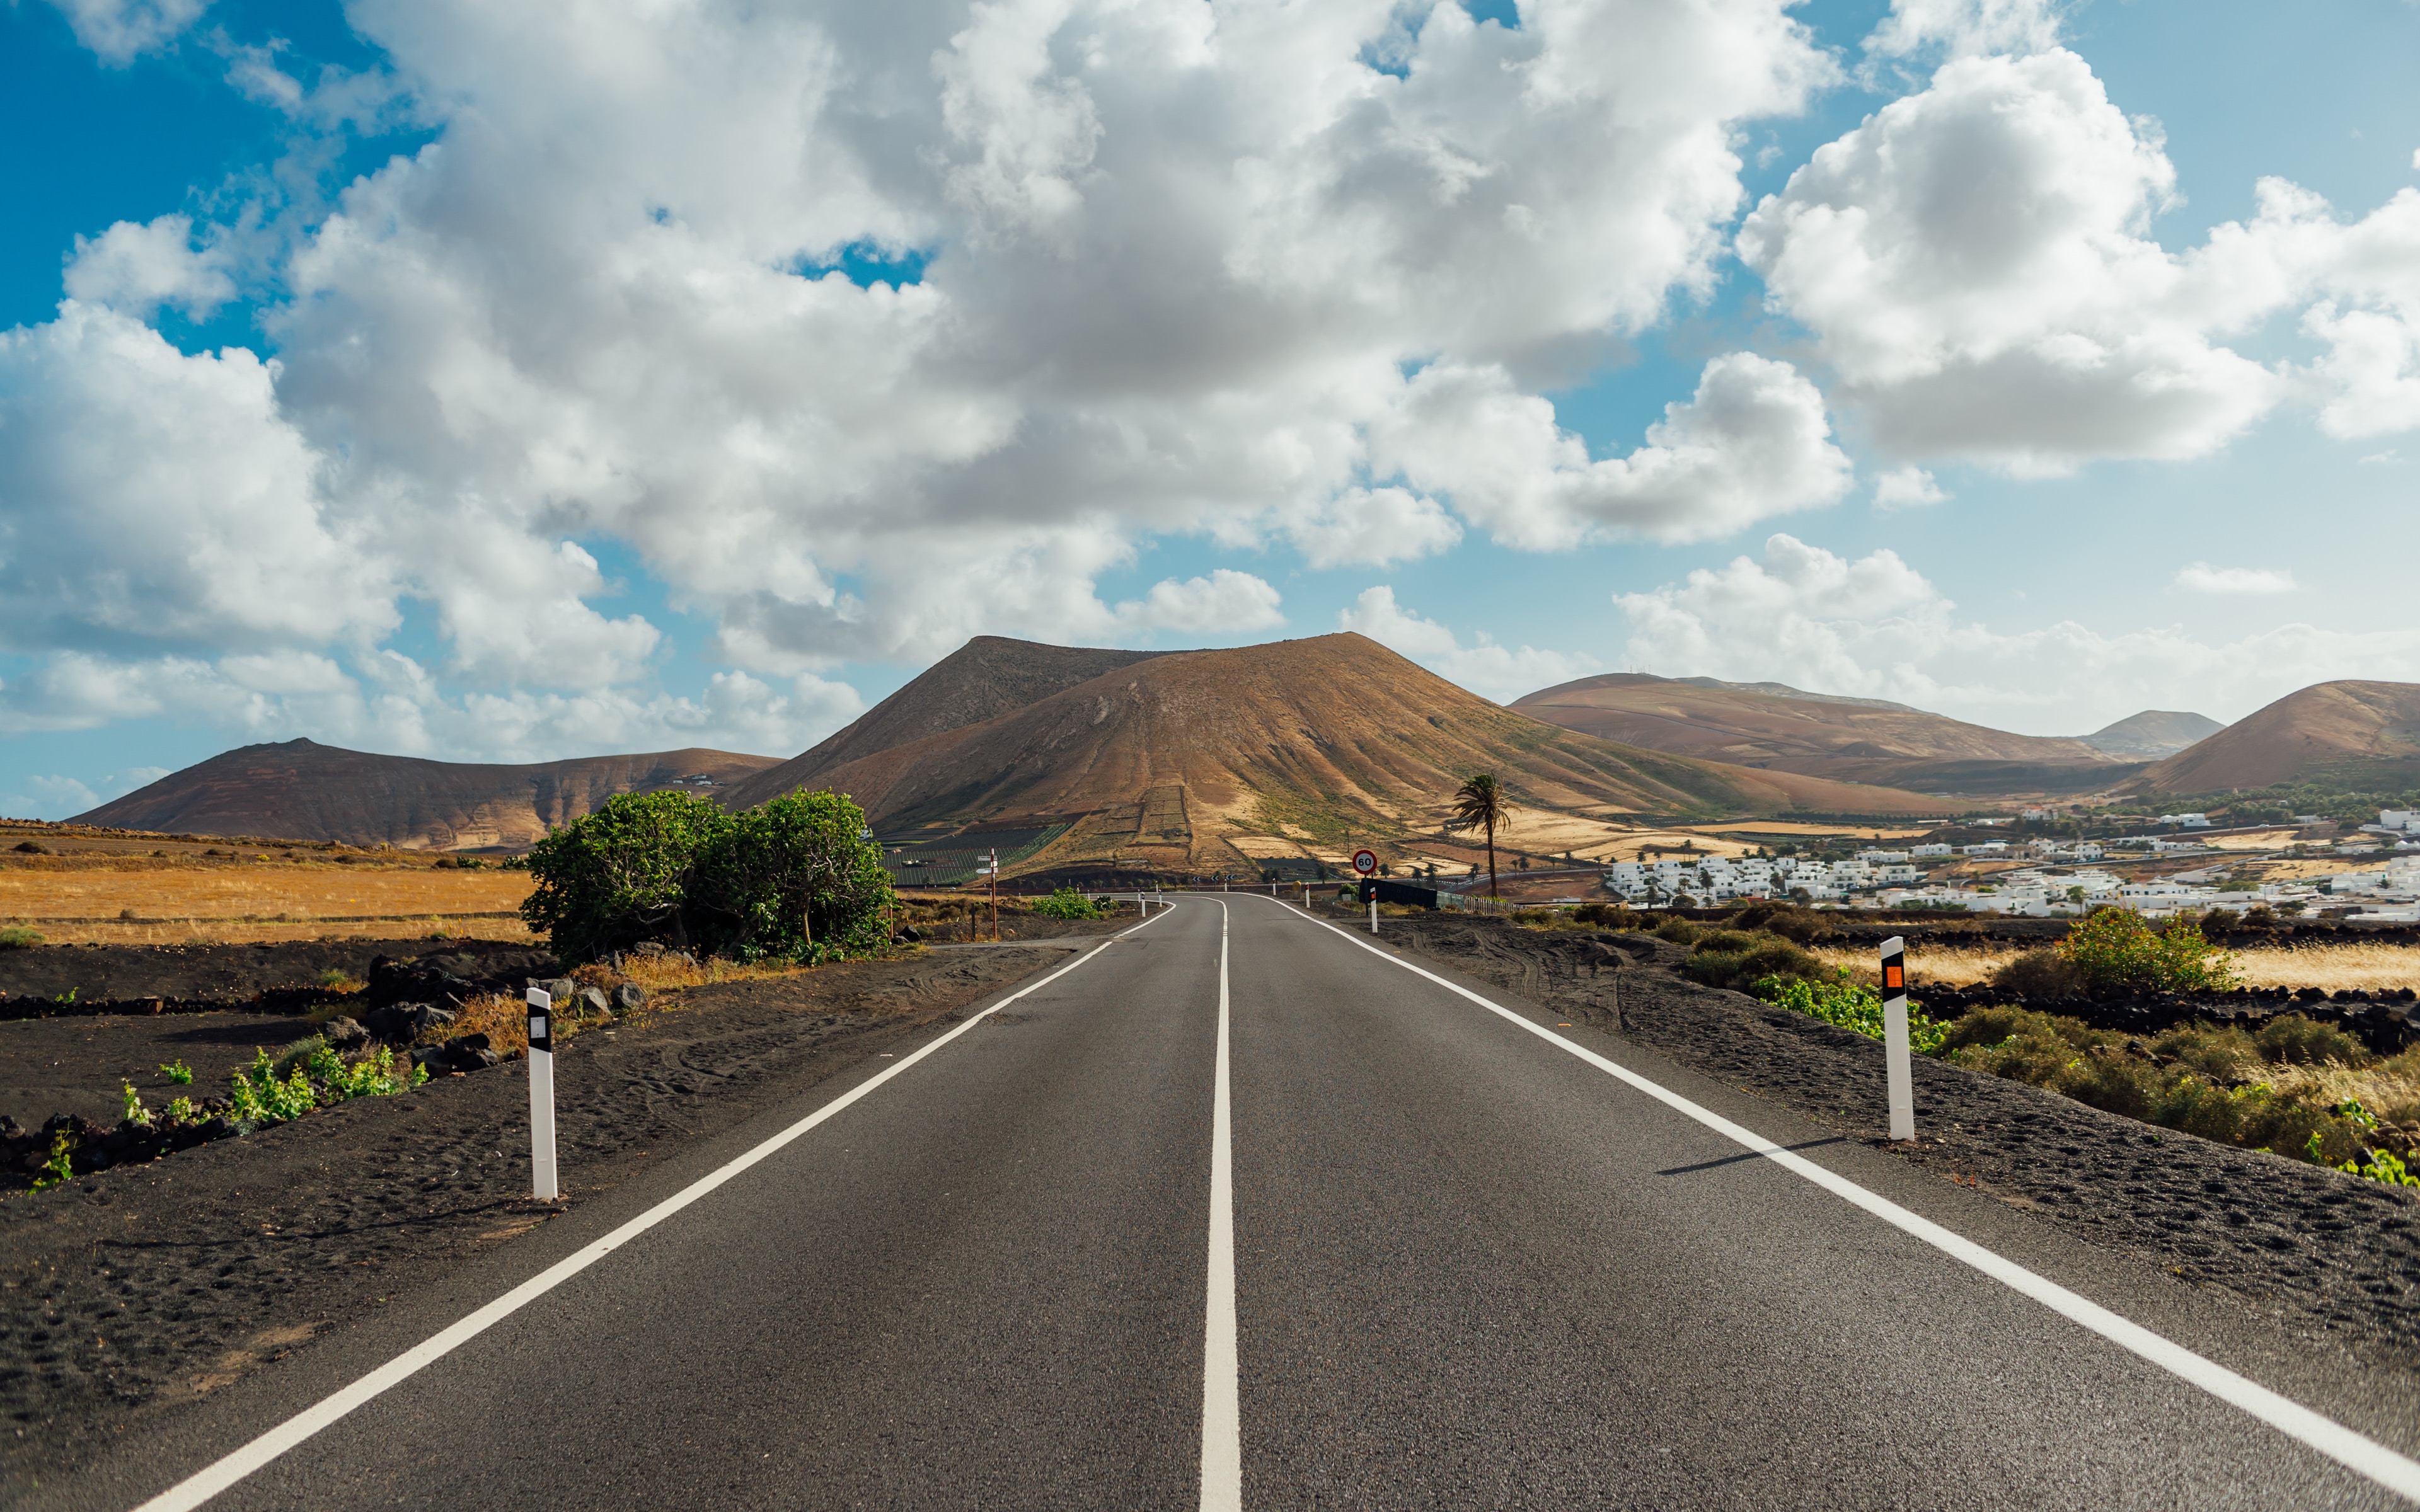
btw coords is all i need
(1365, 863)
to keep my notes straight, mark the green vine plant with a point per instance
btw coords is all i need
(61, 1166)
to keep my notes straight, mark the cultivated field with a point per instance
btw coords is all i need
(253, 897)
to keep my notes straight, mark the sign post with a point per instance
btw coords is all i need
(541, 1078)
(1902, 1081)
(1366, 863)
(989, 867)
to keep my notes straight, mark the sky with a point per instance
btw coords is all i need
(506, 382)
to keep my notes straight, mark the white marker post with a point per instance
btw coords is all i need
(1902, 1082)
(541, 1074)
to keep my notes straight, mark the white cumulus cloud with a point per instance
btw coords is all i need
(2201, 577)
(1907, 488)
(1160, 269)
(1499, 672)
(1752, 442)
(1876, 628)
(1975, 262)
(1225, 602)
(137, 269)
(1966, 27)
(119, 31)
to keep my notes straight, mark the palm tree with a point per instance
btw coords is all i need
(1480, 804)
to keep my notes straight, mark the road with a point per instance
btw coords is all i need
(1469, 1268)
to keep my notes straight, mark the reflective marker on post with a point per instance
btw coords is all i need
(1902, 1083)
(541, 1074)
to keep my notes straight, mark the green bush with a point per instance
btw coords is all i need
(17, 937)
(796, 878)
(1843, 1000)
(1067, 903)
(1678, 931)
(623, 874)
(2115, 948)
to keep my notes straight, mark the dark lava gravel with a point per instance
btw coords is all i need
(132, 1290)
(2325, 1253)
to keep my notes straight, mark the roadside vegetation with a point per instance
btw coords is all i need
(797, 879)
(2293, 1087)
(304, 1077)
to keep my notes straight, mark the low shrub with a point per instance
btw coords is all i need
(2040, 974)
(1678, 931)
(1067, 903)
(1843, 1000)
(1616, 916)
(2194, 1080)
(2292, 1040)
(1801, 926)
(18, 937)
(1737, 958)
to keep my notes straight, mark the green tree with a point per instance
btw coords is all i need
(798, 878)
(622, 874)
(1480, 804)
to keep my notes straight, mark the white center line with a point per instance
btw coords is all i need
(208, 1482)
(2354, 1451)
(1222, 1434)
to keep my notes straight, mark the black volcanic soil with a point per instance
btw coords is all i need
(2327, 1253)
(129, 1291)
(32, 977)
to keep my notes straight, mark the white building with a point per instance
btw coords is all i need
(2186, 821)
(1988, 847)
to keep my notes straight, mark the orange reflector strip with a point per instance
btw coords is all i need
(1894, 978)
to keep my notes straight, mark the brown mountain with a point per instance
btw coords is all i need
(1298, 737)
(302, 790)
(988, 676)
(2363, 736)
(1768, 726)
(2153, 734)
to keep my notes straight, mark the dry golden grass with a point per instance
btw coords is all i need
(2331, 968)
(138, 901)
(271, 932)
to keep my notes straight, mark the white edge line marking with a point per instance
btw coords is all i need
(2354, 1451)
(200, 1487)
(1222, 1433)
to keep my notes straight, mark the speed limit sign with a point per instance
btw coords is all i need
(1365, 863)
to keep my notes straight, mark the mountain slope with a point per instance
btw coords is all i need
(1860, 740)
(2351, 736)
(2153, 734)
(988, 676)
(301, 790)
(1333, 730)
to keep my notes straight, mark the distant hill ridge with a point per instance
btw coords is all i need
(2351, 736)
(1774, 726)
(302, 790)
(2153, 733)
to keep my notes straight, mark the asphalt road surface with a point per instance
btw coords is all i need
(1469, 1268)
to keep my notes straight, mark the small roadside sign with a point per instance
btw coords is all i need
(1365, 863)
